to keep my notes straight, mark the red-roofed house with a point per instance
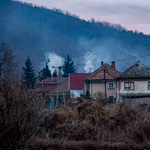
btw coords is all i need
(103, 80)
(76, 83)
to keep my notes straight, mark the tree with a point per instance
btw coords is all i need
(68, 66)
(28, 76)
(7, 59)
(55, 73)
(46, 71)
(19, 115)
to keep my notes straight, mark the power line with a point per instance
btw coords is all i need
(119, 60)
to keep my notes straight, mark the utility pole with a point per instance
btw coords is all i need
(64, 100)
(105, 82)
(60, 76)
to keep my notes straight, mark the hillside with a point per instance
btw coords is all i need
(36, 31)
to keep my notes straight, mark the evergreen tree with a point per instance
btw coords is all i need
(28, 76)
(46, 71)
(55, 73)
(68, 66)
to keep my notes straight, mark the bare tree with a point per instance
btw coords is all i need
(19, 115)
(7, 59)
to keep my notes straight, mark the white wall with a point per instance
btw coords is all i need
(76, 93)
(139, 87)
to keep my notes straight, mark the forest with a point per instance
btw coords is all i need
(37, 31)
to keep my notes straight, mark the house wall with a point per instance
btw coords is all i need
(140, 88)
(100, 87)
(76, 93)
(97, 87)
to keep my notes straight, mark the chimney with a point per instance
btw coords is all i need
(113, 64)
(101, 63)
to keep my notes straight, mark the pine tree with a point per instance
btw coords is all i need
(28, 76)
(46, 71)
(68, 66)
(55, 73)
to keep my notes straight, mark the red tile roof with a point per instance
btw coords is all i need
(110, 73)
(76, 80)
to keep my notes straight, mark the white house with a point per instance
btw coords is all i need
(134, 83)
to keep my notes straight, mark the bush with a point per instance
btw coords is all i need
(92, 125)
(19, 117)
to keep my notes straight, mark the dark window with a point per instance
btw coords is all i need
(111, 85)
(129, 85)
(111, 97)
(148, 85)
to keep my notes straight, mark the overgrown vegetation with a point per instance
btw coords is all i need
(89, 125)
(93, 125)
(19, 115)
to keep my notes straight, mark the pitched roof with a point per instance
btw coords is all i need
(76, 80)
(50, 85)
(138, 70)
(110, 73)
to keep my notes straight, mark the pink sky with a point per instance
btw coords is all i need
(133, 15)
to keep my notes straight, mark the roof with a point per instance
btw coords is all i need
(138, 70)
(76, 80)
(110, 73)
(50, 85)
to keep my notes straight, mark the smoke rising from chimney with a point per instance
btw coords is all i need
(55, 60)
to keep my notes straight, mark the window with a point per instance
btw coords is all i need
(111, 97)
(129, 85)
(148, 85)
(111, 85)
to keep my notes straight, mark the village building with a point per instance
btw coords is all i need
(103, 81)
(76, 84)
(50, 88)
(134, 84)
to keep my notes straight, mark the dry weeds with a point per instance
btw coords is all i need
(91, 125)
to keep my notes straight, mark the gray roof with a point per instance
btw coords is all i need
(138, 70)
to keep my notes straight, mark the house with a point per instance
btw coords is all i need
(134, 83)
(49, 88)
(76, 83)
(103, 81)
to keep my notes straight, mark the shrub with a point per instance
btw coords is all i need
(19, 115)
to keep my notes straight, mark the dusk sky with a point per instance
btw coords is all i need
(133, 15)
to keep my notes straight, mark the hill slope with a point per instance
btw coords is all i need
(37, 31)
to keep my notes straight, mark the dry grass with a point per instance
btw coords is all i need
(91, 125)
